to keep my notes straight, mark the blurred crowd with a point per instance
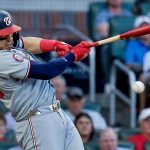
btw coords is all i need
(95, 132)
(136, 52)
(93, 128)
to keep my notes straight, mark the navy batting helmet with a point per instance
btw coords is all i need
(7, 27)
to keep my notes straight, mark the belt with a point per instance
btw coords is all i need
(53, 108)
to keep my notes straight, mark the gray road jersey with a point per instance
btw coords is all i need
(19, 93)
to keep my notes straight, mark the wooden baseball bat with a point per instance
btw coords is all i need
(130, 34)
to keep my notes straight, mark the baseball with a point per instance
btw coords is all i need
(138, 87)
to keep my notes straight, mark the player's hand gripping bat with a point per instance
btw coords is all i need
(130, 34)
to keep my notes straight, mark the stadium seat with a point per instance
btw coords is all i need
(6, 145)
(96, 7)
(88, 105)
(10, 135)
(145, 8)
(127, 145)
(147, 146)
(3, 109)
(91, 146)
(119, 25)
(63, 105)
(92, 106)
(124, 134)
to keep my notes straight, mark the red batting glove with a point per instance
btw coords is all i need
(81, 50)
(62, 48)
(87, 44)
(52, 45)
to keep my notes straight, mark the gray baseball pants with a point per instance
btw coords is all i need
(48, 131)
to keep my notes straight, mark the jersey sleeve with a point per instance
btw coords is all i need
(13, 65)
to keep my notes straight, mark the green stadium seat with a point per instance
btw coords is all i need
(3, 108)
(119, 25)
(94, 8)
(63, 105)
(7, 145)
(147, 146)
(88, 105)
(91, 146)
(145, 8)
(124, 134)
(127, 145)
(92, 106)
(10, 135)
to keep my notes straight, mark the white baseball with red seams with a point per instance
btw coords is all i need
(138, 87)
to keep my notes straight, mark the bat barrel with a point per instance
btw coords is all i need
(130, 34)
(136, 32)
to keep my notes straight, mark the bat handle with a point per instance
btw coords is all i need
(93, 44)
(109, 40)
(105, 41)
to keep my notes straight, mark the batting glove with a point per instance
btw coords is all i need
(62, 48)
(81, 50)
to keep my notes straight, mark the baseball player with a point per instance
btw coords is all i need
(24, 88)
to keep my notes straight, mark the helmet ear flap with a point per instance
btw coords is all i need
(16, 36)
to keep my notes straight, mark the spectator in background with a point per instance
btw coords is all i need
(102, 31)
(113, 9)
(59, 84)
(10, 121)
(108, 140)
(145, 78)
(7, 136)
(84, 125)
(8, 116)
(137, 10)
(2, 128)
(140, 139)
(135, 53)
(137, 48)
(75, 105)
(148, 14)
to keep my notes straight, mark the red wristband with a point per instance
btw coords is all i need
(47, 45)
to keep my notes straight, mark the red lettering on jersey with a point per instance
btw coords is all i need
(1, 95)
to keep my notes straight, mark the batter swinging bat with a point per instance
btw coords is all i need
(130, 34)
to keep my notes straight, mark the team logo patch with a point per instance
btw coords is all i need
(18, 57)
(7, 20)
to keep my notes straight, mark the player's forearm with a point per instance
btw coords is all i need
(37, 45)
(47, 71)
